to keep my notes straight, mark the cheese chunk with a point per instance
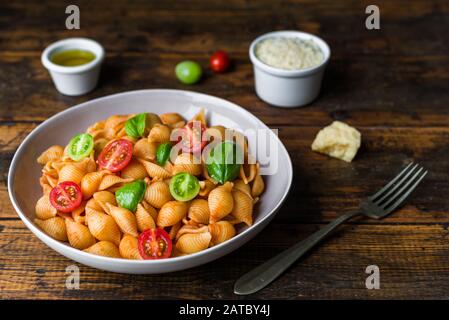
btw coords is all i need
(338, 140)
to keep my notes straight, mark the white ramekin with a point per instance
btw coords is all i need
(288, 88)
(78, 80)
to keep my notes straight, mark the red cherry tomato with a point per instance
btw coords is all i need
(192, 137)
(66, 196)
(116, 155)
(154, 244)
(219, 61)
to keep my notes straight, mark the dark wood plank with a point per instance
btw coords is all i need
(413, 262)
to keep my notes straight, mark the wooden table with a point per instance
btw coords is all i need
(392, 84)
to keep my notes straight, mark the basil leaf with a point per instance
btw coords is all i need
(223, 163)
(131, 194)
(135, 127)
(163, 153)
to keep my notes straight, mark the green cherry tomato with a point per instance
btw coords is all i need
(188, 72)
(80, 146)
(163, 153)
(184, 186)
(130, 195)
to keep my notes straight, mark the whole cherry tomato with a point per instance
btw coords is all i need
(219, 61)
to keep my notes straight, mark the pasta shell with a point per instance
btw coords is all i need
(128, 248)
(86, 165)
(159, 133)
(171, 213)
(145, 150)
(71, 172)
(220, 202)
(193, 242)
(185, 162)
(79, 235)
(201, 117)
(215, 133)
(242, 186)
(54, 227)
(243, 207)
(90, 183)
(125, 219)
(248, 172)
(103, 227)
(104, 248)
(171, 118)
(258, 186)
(157, 194)
(102, 198)
(144, 219)
(199, 211)
(93, 204)
(174, 230)
(53, 153)
(221, 231)
(152, 211)
(155, 171)
(134, 170)
(115, 121)
(43, 209)
(206, 187)
(78, 215)
(111, 180)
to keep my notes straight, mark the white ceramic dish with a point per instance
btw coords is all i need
(78, 80)
(24, 172)
(288, 88)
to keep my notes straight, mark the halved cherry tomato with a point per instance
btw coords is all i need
(192, 137)
(219, 61)
(154, 244)
(116, 155)
(66, 196)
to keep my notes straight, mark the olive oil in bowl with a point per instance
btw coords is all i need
(72, 58)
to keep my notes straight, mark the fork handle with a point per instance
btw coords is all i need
(268, 271)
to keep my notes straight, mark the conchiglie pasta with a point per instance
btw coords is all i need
(243, 207)
(159, 133)
(98, 225)
(199, 211)
(220, 202)
(103, 227)
(79, 235)
(125, 219)
(186, 162)
(221, 232)
(134, 170)
(53, 153)
(128, 248)
(43, 209)
(155, 171)
(104, 248)
(157, 194)
(145, 150)
(144, 219)
(171, 213)
(193, 242)
(54, 227)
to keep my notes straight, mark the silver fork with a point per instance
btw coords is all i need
(377, 206)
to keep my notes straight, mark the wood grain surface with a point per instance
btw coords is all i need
(392, 84)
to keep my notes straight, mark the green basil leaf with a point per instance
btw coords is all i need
(163, 153)
(135, 127)
(223, 162)
(131, 194)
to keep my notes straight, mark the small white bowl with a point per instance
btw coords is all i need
(24, 172)
(77, 80)
(288, 88)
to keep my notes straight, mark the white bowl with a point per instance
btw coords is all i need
(288, 88)
(24, 173)
(77, 80)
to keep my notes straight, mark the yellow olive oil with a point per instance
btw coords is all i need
(72, 58)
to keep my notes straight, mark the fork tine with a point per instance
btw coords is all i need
(397, 184)
(389, 184)
(398, 202)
